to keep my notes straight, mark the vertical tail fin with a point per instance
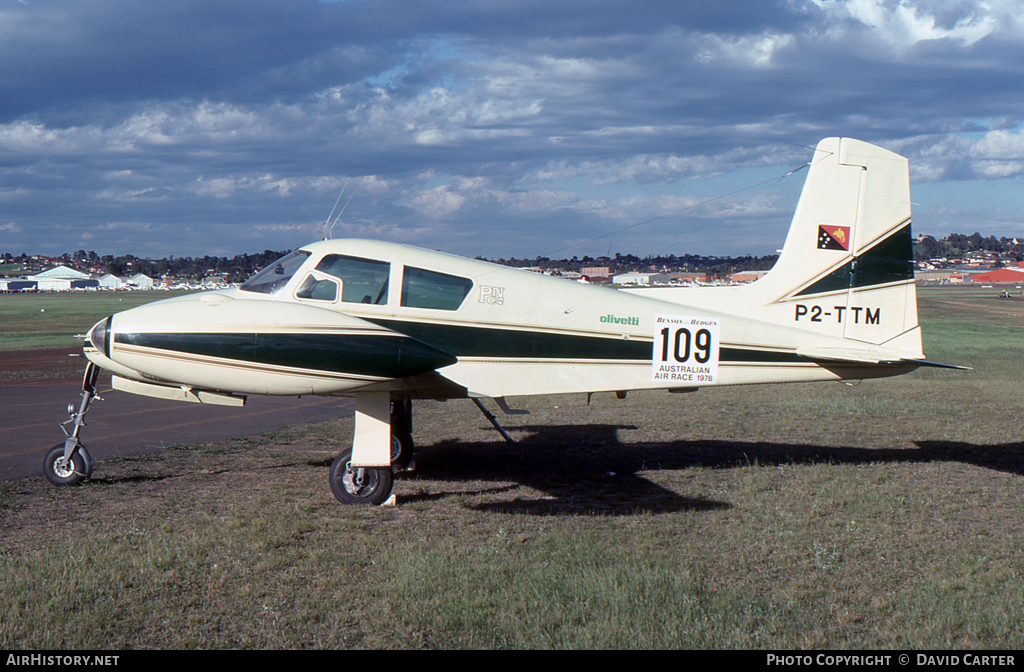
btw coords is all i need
(846, 269)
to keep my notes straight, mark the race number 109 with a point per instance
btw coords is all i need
(686, 343)
(685, 350)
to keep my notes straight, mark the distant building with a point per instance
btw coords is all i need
(18, 285)
(61, 273)
(1002, 275)
(111, 281)
(140, 280)
(62, 279)
(644, 279)
(747, 276)
(935, 275)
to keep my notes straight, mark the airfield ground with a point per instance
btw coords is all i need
(885, 515)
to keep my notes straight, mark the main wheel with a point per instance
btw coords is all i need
(77, 468)
(401, 450)
(401, 434)
(359, 485)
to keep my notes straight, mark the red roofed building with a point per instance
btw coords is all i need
(1012, 275)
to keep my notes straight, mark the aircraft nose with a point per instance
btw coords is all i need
(99, 335)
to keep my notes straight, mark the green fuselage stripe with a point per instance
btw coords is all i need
(464, 341)
(369, 355)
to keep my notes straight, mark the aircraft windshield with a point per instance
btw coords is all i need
(276, 275)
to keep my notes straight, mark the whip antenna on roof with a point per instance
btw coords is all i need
(328, 231)
(343, 187)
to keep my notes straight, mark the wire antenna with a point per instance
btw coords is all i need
(327, 235)
(329, 231)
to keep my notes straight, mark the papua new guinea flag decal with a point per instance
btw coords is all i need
(833, 237)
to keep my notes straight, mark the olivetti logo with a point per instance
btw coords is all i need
(492, 295)
(612, 319)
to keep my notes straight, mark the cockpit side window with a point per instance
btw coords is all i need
(362, 280)
(429, 289)
(276, 275)
(318, 289)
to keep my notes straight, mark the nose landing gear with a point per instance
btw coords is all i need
(69, 462)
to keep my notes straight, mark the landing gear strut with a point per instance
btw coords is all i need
(69, 462)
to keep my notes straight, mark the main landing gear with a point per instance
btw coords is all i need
(382, 446)
(372, 482)
(69, 462)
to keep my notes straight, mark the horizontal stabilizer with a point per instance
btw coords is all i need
(874, 356)
(939, 365)
(853, 355)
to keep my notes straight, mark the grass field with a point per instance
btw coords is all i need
(884, 515)
(51, 320)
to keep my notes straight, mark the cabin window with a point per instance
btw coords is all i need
(362, 280)
(318, 289)
(428, 289)
(276, 275)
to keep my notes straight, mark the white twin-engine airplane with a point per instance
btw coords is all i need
(388, 323)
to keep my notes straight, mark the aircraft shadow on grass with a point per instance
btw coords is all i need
(587, 470)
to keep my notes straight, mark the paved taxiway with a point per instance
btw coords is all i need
(126, 424)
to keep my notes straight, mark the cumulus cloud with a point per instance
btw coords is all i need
(905, 23)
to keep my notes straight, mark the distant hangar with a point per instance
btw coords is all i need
(1001, 275)
(64, 279)
(59, 279)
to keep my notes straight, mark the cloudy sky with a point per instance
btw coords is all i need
(522, 128)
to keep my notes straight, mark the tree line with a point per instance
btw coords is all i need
(957, 245)
(233, 269)
(629, 263)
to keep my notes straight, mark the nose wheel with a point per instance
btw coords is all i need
(61, 471)
(69, 462)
